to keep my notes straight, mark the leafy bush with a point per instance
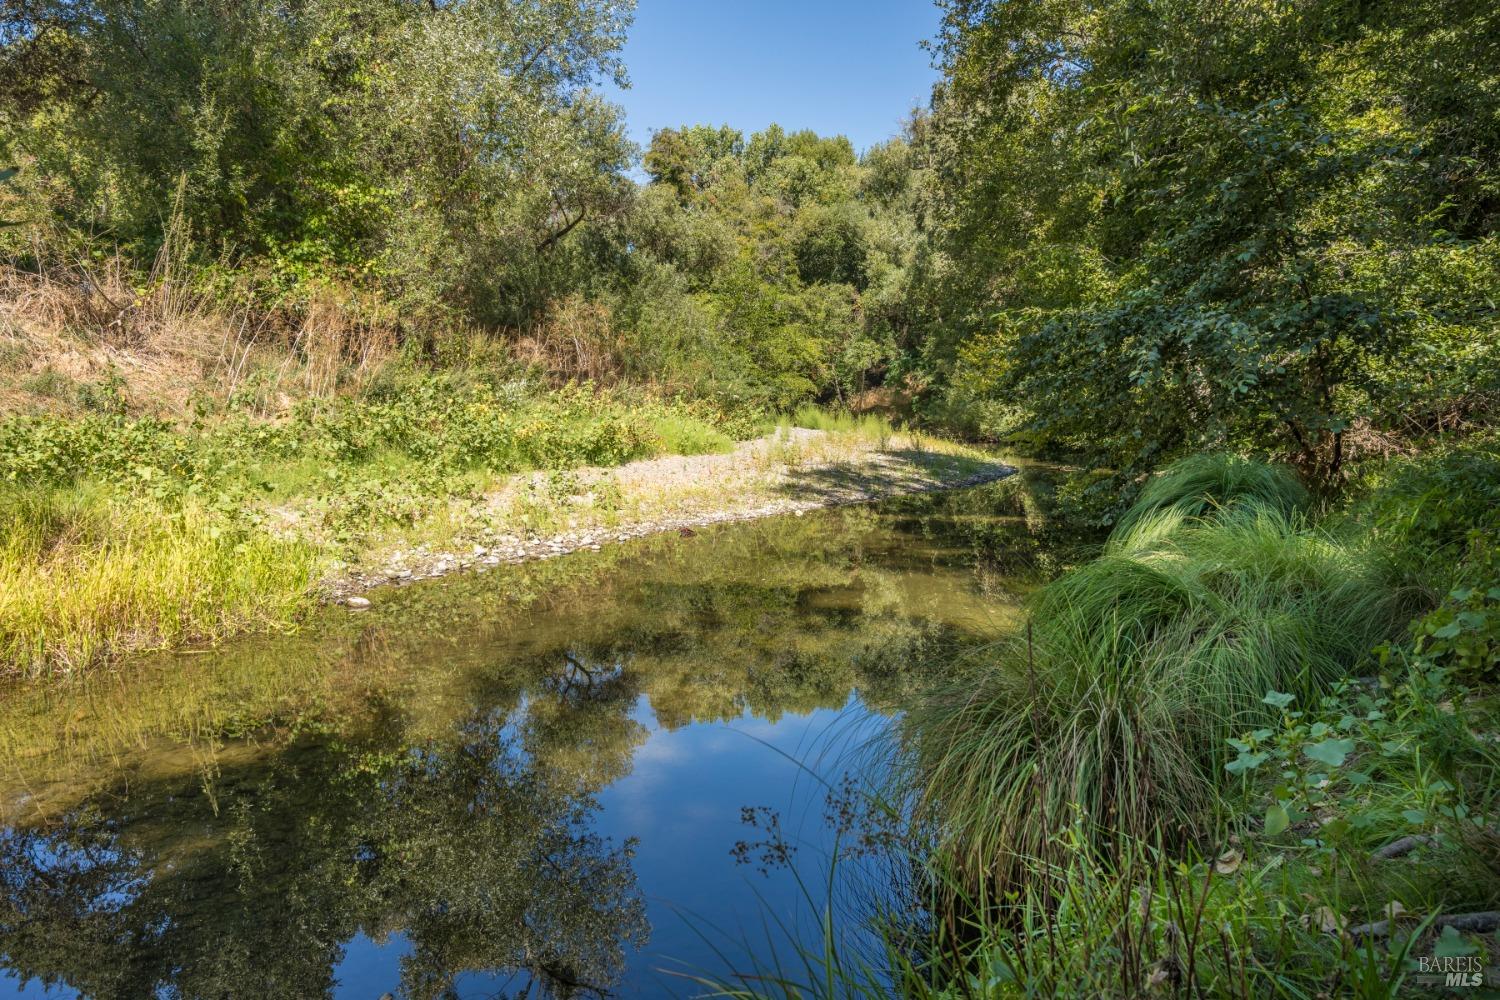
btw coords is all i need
(1463, 632)
(1435, 517)
(1362, 766)
(54, 450)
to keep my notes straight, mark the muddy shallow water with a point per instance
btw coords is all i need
(532, 778)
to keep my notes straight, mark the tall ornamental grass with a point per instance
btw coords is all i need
(1109, 711)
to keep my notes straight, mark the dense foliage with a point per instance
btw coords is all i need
(1120, 230)
(795, 262)
(1164, 241)
(444, 165)
(440, 151)
(1188, 224)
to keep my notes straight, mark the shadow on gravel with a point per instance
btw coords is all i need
(898, 472)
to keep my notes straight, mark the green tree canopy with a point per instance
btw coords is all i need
(1189, 223)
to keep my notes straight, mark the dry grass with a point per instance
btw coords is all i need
(574, 342)
(166, 339)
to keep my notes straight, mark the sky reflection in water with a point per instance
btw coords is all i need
(534, 776)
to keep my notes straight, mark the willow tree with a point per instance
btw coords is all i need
(446, 150)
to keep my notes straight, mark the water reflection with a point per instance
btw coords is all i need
(476, 858)
(266, 819)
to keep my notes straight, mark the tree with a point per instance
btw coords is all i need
(1185, 224)
(445, 150)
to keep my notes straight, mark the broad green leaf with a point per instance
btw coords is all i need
(1276, 819)
(1330, 752)
(1245, 762)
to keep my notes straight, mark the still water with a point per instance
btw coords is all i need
(529, 782)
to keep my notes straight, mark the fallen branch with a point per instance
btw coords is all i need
(1397, 848)
(1483, 922)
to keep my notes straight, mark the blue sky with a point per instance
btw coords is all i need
(835, 66)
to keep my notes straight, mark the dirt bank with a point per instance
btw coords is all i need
(545, 515)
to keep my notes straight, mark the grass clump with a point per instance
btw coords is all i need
(872, 426)
(84, 576)
(1200, 484)
(1257, 909)
(1111, 710)
(680, 433)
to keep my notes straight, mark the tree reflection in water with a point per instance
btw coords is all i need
(426, 773)
(467, 849)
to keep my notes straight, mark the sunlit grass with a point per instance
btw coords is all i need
(870, 425)
(147, 536)
(84, 577)
(1116, 701)
(682, 434)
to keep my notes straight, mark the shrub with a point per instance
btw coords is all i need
(1435, 517)
(60, 451)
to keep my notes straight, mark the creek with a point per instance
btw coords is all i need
(602, 774)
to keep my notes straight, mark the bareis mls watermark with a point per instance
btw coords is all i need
(1455, 970)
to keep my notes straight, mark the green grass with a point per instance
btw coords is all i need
(127, 534)
(817, 418)
(84, 576)
(1112, 708)
(684, 434)
(1200, 484)
(1142, 923)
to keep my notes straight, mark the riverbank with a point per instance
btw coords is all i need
(790, 471)
(126, 534)
(1249, 749)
